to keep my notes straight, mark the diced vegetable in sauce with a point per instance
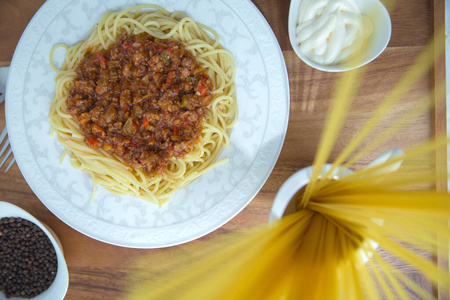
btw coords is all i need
(143, 100)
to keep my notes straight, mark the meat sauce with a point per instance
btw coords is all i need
(142, 100)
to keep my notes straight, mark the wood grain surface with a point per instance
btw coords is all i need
(100, 271)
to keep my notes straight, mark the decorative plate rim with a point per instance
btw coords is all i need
(279, 99)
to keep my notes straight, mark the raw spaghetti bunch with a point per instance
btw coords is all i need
(376, 233)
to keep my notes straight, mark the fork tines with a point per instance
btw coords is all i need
(6, 147)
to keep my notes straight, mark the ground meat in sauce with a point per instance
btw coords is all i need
(142, 100)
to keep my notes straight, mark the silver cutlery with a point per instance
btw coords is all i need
(6, 151)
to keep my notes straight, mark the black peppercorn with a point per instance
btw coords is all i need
(28, 261)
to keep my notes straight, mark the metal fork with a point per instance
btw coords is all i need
(4, 140)
(4, 135)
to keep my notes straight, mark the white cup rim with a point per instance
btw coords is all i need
(284, 199)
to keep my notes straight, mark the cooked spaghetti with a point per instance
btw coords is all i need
(146, 103)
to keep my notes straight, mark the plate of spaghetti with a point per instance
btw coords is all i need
(147, 125)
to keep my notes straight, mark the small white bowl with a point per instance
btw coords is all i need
(377, 41)
(58, 288)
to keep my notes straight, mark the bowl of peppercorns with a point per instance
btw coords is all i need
(32, 264)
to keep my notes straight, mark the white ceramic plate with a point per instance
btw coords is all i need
(263, 98)
(58, 288)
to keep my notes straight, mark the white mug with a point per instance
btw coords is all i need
(285, 202)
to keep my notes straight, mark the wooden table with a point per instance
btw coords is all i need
(98, 270)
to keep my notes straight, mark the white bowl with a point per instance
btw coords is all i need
(58, 288)
(377, 41)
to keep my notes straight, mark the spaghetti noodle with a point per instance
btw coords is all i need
(170, 30)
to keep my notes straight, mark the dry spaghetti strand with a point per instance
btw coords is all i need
(358, 237)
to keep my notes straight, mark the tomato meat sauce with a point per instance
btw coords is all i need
(142, 100)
